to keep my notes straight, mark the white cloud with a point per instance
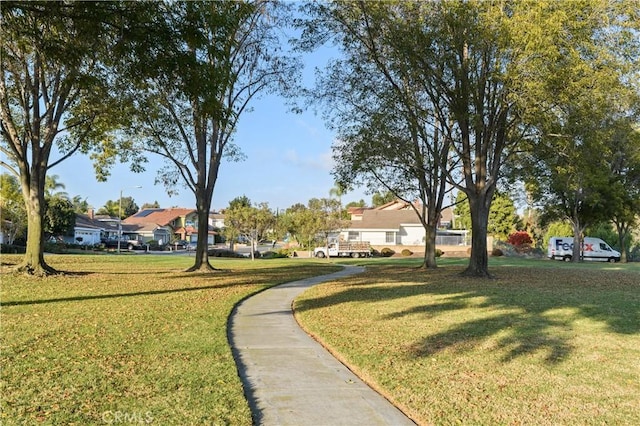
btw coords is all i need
(322, 161)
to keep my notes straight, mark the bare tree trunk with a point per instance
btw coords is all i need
(430, 248)
(577, 243)
(479, 260)
(623, 230)
(33, 193)
(201, 262)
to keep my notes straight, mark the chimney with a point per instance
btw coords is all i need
(90, 213)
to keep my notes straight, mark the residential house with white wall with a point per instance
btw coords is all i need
(396, 224)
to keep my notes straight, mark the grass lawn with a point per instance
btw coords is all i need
(544, 343)
(128, 339)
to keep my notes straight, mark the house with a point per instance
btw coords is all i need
(89, 231)
(165, 225)
(216, 220)
(386, 227)
(397, 224)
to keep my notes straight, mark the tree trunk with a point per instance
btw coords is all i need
(201, 262)
(479, 260)
(33, 262)
(622, 236)
(430, 248)
(576, 255)
(577, 245)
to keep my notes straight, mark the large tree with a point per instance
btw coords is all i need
(313, 223)
(390, 135)
(450, 94)
(248, 221)
(324, 218)
(624, 191)
(583, 102)
(470, 54)
(196, 75)
(483, 66)
(293, 222)
(54, 93)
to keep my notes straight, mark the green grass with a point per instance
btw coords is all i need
(544, 343)
(128, 339)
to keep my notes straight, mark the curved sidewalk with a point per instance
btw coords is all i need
(289, 378)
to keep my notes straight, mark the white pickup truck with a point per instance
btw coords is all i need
(344, 249)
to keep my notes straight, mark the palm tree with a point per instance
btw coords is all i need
(51, 186)
(338, 190)
(79, 205)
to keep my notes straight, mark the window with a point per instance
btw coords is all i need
(390, 237)
(354, 236)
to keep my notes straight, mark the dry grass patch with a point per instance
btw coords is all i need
(128, 339)
(540, 345)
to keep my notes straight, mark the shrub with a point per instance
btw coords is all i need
(57, 248)
(520, 238)
(275, 254)
(6, 248)
(387, 252)
(284, 252)
(406, 252)
(496, 252)
(223, 252)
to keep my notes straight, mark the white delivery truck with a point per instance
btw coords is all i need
(344, 249)
(561, 248)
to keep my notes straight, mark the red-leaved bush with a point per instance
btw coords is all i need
(519, 238)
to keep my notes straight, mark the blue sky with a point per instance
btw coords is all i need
(288, 161)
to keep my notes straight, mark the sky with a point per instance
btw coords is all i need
(288, 161)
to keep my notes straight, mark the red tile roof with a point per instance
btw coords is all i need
(162, 217)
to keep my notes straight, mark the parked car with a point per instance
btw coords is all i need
(125, 243)
(183, 244)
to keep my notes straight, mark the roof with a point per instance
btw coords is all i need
(357, 210)
(84, 221)
(381, 218)
(446, 215)
(386, 219)
(395, 205)
(162, 217)
(142, 227)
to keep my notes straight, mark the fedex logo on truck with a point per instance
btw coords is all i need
(561, 245)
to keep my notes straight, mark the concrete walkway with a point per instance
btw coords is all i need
(289, 378)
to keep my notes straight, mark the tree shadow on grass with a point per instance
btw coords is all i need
(527, 311)
(114, 295)
(223, 278)
(522, 340)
